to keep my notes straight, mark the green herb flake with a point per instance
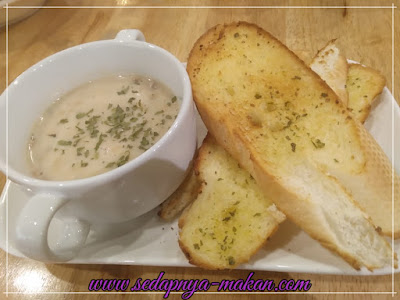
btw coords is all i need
(80, 130)
(318, 144)
(168, 117)
(84, 164)
(257, 96)
(76, 142)
(53, 135)
(79, 151)
(64, 143)
(288, 123)
(173, 99)
(99, 142)
(135, 134)
(231, 261)
(196, 246)
(159, 112)
(144, 141)
(296, 78)
(123, 159)
(293, 145)
(324, 95)
(123, 90)
(91, 126)
(80, 115)
(63, 121)
(110, 165)
(257, 215)
(335, 160)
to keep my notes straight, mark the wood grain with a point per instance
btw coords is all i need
(363, 34)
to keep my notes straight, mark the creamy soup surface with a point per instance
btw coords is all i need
(100, 126)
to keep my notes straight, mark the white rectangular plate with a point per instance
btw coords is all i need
(148, 240)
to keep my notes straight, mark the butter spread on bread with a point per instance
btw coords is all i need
(231, 218)
(289, 130)
(363, 86)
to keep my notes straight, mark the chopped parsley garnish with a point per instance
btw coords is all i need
(99, 142)
(79, 151)
(123, 91)
(64, 143)
(82, 114)
(318, 144)
(124, 120)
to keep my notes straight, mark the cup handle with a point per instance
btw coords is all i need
(33, 226)
(129, 35)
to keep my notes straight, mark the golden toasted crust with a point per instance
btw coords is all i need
(231, 68)
(231, 219)
(181, 198)
(364, 85)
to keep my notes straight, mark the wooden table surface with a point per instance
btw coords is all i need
(365, 35)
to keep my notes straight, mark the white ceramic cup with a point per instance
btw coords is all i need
(118, 195)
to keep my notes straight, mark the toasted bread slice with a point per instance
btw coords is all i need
(231, 217)
(361, 86)
(289, 130)
(364, 85)
(332, 67)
